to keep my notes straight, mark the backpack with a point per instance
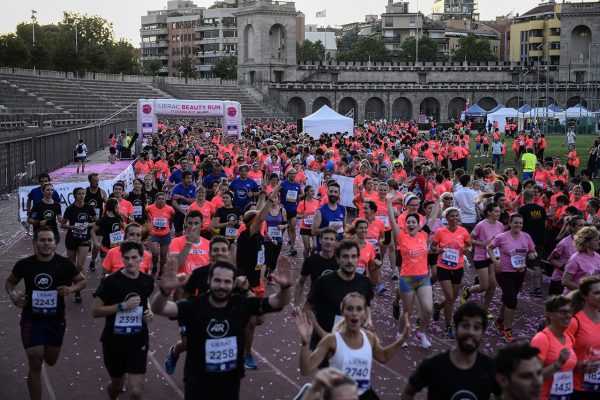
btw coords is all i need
(79, 148)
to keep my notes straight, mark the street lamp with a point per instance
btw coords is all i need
(33, 22)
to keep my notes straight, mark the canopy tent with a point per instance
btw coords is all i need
(539, 112)
(578, 111)
(498, 107)
(525, 108)
(326, 120)
(475, 111)
(501, 115)
(554, 108)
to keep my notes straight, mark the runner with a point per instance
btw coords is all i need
(149, 189)
(122, 298)
(36, 195)
(561, 254)
(110, 226)
(556, 350)
(160, 216)
(206, 208)
(534, 224)
(276, 220)
(227, 219)
(46, 212)
(214, 324)
(481, 236)
(330, 214)
(114, 259)
(586, 261)
(306, 213)
(350, 348)
(191, 250)
(515, 247)
(48, 278)
(518, 372)
(139, 201)
(244, 189)
(291, 191)
(366, 259)
(183, 195)
(78, 220)
(125, 207)
(80, 155)
(463, 371)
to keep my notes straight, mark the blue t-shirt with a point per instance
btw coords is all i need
(175, 176)
(290, 191)
(189, 192)
(240, 189)
(209, 179)
(36, 195)
(332, 218)
(330, 166)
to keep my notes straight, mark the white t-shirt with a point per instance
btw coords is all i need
(84, 152)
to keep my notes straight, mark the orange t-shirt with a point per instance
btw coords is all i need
(402, 220)
(207, 210)
(308, 210)
(114, 261)
(217, 202)
(453, 246)
(125, 207)
(382, 212)
(366, 256)
(414, 253)
(198, 256)
(587, 345)
(160, 219)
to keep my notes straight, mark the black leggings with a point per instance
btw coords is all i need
(272, 254)
(510, 283)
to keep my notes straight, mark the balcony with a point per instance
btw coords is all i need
(535, 53)
(536, 39)
(223, 40)
(154, 32)
(554, 38)
(554, 52)
(161, 43)
(151, 57)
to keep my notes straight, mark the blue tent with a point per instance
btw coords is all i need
(476, 111)
(554, 108)
(525, 108)
(493, 110)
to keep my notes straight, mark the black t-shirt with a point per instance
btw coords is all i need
(445, 381)
(43, 211)
(41, 280)
(150, 194)
(197, 282)
(80, 215)
(127, 327)
(221, 331)
(138, 201)
(328, 292)
(534, 222)
(316, 265)
(95, 200)
(225, 215)
(247, 255)
(107, 226)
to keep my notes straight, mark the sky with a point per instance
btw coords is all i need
(125, 14)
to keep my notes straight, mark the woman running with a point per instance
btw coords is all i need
(110, 226)
(139, 201)
(515, 247)
(306, 212)
(46, 212)
(366, 258)
(561, 254)
(160, 216)
(556, 350)
(207, 210)
(482, 235)
(586, 261)
(276, 220)
(585, 330)
(351, 349)
(149, 189)
(450, 242)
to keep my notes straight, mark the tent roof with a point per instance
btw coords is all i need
(325, 113)
(498, 107)
(475, 110)
(554, 108)
(505, 111)
(525, 108)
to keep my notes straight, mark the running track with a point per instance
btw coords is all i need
(80, 372)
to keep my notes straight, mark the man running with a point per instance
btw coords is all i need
(518, 372)
(290, 197)
(96, 198)
(330, 214)
(48, 277)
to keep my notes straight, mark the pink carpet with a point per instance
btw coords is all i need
(104, 170)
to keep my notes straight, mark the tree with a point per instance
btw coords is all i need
(13, 51)
(346, 42)
(225, 68)
(310, 51)
(152, 67)
(472, 49)
(366, 48)
(121, 59)
(186, 67)
(427, 50)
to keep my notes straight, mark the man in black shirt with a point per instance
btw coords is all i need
(534, 223)
(318, 264)
(462, 372)
(518, 372)
(48, 278)
(215, 324)
(324, 300)
(122, 298)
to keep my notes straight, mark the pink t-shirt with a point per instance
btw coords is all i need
(513, 250)
(581, 264)
(563, 251)
(485, 231)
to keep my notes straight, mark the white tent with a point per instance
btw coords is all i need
(578, 111)
(325, 120)
(501, 115)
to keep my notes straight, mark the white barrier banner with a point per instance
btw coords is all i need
(315, 179)
(65, 190)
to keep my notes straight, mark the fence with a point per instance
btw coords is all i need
(50, 150)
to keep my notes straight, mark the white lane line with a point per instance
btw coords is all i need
(277, 370)
(47, 383)
(166, 376)
(398, 375)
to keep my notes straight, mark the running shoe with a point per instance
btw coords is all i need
(508, 336)
(448, 334)
(249, 362)
(499, 326)
(537, 292)
(77, 297)
(405, 344)
(380, 289)
(464, 297)
(293, 252)
(92, 267)
(436, 311)
(425, 343)
(395, 276)
(171, 361)
(396, 310)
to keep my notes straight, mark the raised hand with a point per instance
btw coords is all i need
(192, 233)
(132, 303)
(283, 276)
(304, 326)
(169, 279)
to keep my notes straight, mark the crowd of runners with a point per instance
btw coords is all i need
(198, 239)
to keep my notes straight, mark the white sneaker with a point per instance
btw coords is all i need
(405, 344)
(425, 343)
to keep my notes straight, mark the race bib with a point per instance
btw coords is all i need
(591, 380)
(44, 302)
(260, 258)
(231, 232)
(308, 220)
(562, 386)
(518, 261)
(80, 231)
(258, 181)
(274, 232)
(540, 184)
(116, 238)
(375, 243)
(160, 223)
(361, 269)
(220, 354)
(385, 220)
(450, 257)
(184, 207)
(129, 322)
(338, 226)
(137, 211)
(291, 196)
(358, 369)
(496, 252)
(97, 211)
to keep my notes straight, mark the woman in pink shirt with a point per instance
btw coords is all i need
(514, 248)
(586, 261)
(561, 254)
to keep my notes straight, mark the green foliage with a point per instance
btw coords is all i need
(364, 49)
(152, 67)
(348, 40)
(472, 49)
(186, 67)
(96, 49)
(310, 51)
(225, 68)
(427, 50)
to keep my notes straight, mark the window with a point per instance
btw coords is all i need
(389, 22)
(173, 25)
(413, 20)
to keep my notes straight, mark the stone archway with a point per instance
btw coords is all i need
(430, 107)
(579, 45)
(348, 105)
(320, 102)
(249, 49)
(277, 39)
(296, 107)
(487, 103)
(543, 102)
(374, 108)
(515, 102)
(573, 101)
(402, 109)
(456, 106)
